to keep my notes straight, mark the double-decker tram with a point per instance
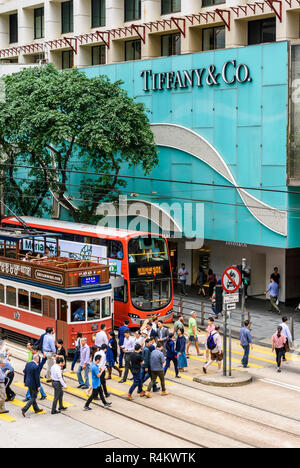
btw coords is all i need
(139, 265)
(39, 291)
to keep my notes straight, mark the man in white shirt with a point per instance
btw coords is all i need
(128, 348)
(286, 332)
(101, 337)
(58, 384)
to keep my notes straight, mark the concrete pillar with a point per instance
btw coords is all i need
(193, 41)
(152, 47)
(82, 16)
(151, 10)
(4, 31)
(25, 25)
(52, 20)
(56, 59)
(116, 52)
(83, 57)
(114, 14)
(238, 34)
(190, 6)
(289, 28)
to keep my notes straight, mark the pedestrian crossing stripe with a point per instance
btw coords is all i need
(233, 360)
(112, 390)
(186, 377)
(49, 397)
(21, 404)
(7, 418)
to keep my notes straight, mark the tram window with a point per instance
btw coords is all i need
(1, 293)
(106, 307)
(78, 311)
(23, 299)
(48, 307)
(36, 303)
(93, 310)
(11, 296)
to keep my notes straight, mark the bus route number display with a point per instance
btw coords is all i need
(90, 280)
(150, 271)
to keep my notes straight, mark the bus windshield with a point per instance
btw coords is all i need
(151, 294)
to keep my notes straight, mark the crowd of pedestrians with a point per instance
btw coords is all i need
(143, 357)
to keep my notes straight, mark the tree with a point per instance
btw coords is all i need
(67, 121)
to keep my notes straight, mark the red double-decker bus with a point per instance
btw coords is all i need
(139, 265)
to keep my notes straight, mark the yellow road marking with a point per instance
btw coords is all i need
(49, 397)
(129, 382)
(21, 404)
(233, 360)
(186, 377)
(7, 418)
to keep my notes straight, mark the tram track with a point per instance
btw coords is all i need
(159, 414)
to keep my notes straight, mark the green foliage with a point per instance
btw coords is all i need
(50, 119)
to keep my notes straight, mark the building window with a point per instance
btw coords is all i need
(170, 6)
(206, 3)
(133, 10)
(67, 17)
(13, 28)
(98, 13)
(133, 50)
(38, 23)
(262, 31)
(170, 45)
(213, 38)
(98, 55)
(67, 59)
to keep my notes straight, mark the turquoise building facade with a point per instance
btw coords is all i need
(220, 121)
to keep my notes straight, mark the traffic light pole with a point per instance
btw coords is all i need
(243, 305)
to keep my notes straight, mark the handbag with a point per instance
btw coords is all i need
(287, 348)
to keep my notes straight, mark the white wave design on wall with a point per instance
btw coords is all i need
(184, 139)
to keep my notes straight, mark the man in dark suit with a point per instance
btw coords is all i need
(32, 381)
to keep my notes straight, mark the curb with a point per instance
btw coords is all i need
(238, 379)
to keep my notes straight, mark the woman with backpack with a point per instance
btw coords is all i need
(210, 328)
(214, 344)
(278, 344)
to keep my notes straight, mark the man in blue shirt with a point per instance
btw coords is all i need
(246, 341)
(273, 289)
(96, 385)
(121, 336)
(10, 394)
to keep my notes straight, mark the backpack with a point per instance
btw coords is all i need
(211, 342)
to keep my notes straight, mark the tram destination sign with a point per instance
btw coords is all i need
(90, 280)
(230, 73)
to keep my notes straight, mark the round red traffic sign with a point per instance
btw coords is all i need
(231, 279)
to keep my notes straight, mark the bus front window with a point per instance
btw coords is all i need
(151, 294)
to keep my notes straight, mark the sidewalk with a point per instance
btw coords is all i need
(263, 322)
